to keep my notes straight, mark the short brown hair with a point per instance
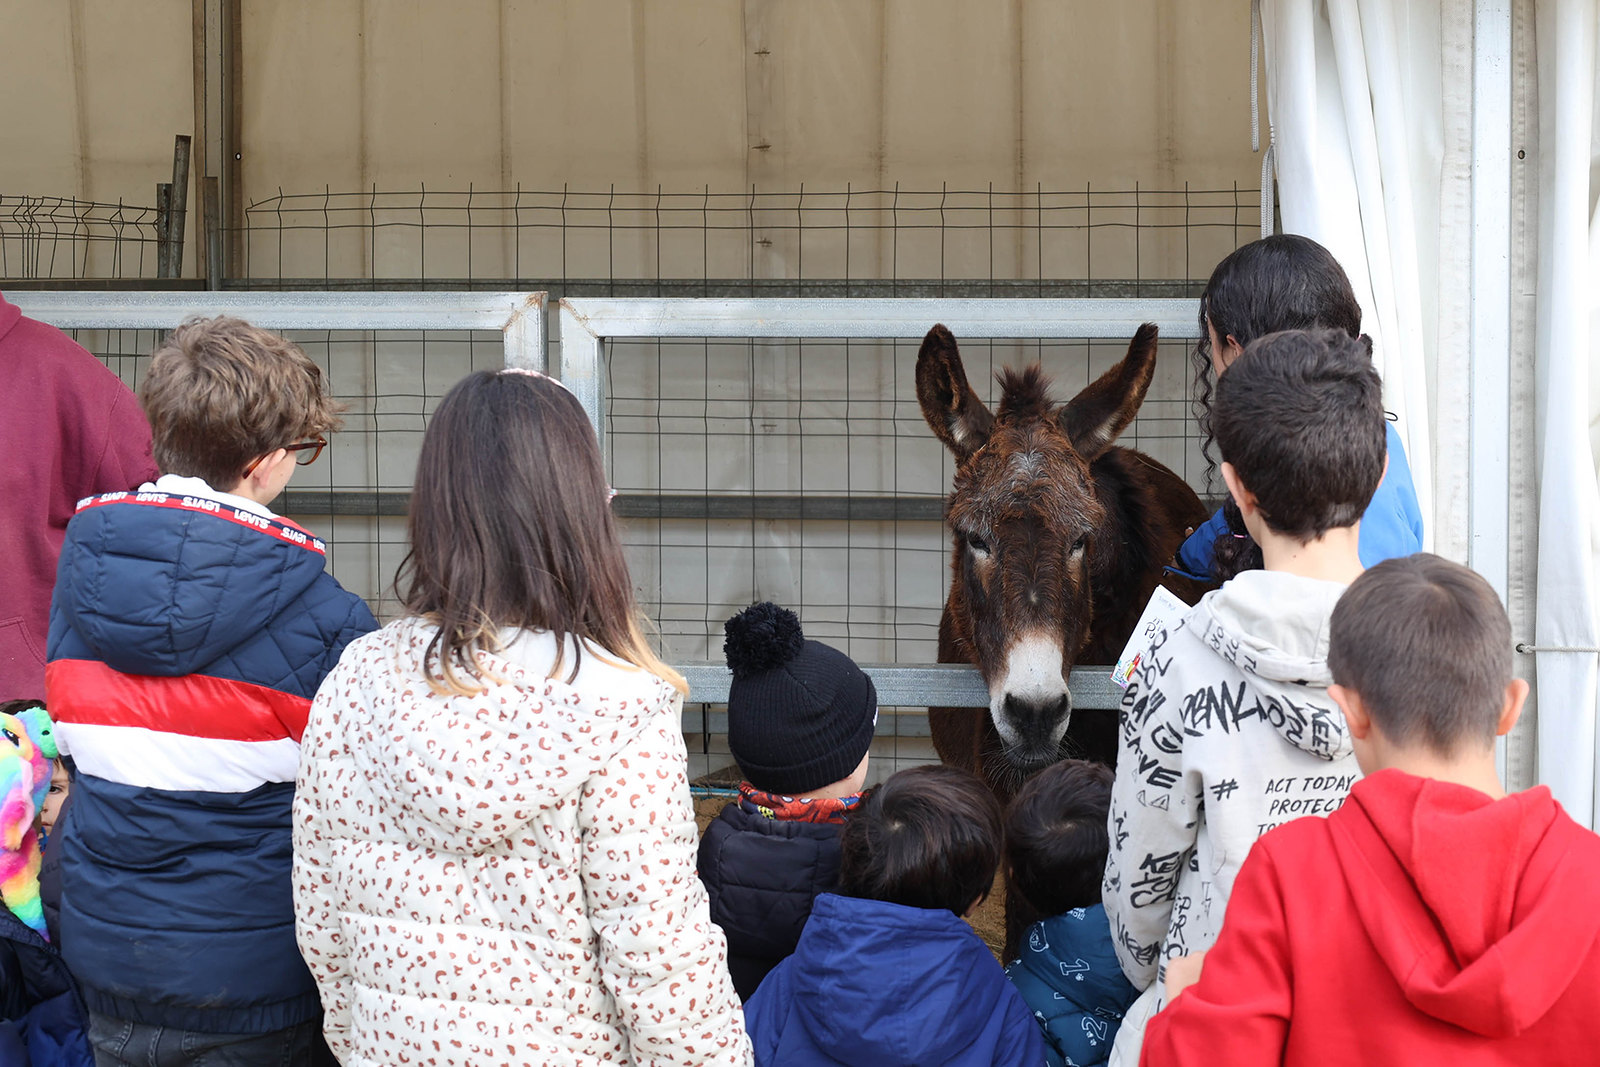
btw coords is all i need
(1427, 646)
(929, 837)
(1300, 416)
(1056, 837)
(220, 393)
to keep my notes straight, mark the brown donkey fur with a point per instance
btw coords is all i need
(1059, 540)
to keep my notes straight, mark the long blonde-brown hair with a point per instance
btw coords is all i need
(511, 526)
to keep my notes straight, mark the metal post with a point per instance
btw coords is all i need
(581, 355)
(163, 229)
(524, 336)
(197, 61)
(211, 214)
(178, 204)
(233, 203)
(1489, 415)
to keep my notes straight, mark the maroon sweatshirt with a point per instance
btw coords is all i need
(69, 429)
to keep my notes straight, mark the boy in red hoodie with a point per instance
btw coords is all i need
(1431, 919)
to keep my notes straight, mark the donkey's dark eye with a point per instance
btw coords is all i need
(12, 738)
(1080, 544)
(978, 545)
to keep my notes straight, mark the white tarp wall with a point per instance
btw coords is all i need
(1371, 112)
(1566, 332)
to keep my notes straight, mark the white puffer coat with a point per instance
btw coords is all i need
(506, 878)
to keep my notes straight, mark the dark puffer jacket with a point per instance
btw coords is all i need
(762, 875)
(890, 986)
(42, 1022)
(187, 636)
(1069, 975)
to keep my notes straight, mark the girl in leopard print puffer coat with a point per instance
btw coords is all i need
(494, 843)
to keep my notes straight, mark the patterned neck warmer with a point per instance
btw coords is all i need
(796, 809)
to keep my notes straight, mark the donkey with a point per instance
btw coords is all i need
(1059, 541)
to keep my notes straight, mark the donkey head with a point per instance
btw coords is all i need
(1030, 533)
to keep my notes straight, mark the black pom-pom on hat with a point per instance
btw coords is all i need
(800, 714)
(761, 637)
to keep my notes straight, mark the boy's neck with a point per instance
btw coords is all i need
(1333, 557)
(1475, 772)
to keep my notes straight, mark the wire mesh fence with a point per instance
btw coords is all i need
(794, 470)
(355, 496)
(803, 472)
(53, 237)
(1060, 242)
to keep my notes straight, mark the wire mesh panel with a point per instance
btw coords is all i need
(62, 237)
(802, 471)
(1061, 242)
(355, 495)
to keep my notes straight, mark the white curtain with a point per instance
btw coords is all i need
(1567, 330)
(1353, 102)
(1370, 110)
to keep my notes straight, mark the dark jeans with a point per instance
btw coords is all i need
(119, 1043)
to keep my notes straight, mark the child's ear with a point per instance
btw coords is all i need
(1241, 496)
(1355, 712)
(972, 909)
(1511, 707)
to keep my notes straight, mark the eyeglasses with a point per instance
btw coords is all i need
(315, 446)
(306, 453)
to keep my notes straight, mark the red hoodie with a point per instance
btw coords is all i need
(1421, 923)
(69, 429)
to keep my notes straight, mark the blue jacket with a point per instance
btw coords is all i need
(873, 984)
(41, 1018)
(762, 875)
(1391, 526)
(1069, 975)
(187, 637)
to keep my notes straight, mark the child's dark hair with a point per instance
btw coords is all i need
(1426, 644)
(1300, 417)
(929, 837)
(1056, 839)
(1281, 282)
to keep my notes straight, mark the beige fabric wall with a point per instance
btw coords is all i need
(348, 94)
(729, 92)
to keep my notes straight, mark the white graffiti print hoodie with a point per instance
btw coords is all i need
(1227, 731)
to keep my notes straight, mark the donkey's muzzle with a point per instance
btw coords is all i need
(1038, 726)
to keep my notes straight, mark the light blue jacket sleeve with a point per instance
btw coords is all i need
(1391, 526)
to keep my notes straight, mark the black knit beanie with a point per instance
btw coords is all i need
(800, 714)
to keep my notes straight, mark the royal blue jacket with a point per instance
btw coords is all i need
(188, 634)
(41, 1017)
(1069, 975)
(1391, 526)
(873, 984)
(762, 875)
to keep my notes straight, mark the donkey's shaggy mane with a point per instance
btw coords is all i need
(1024, 394)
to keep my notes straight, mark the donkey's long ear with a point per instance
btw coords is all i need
(1094, 418)
(954, 412)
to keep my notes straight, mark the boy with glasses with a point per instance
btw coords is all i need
(189, 630)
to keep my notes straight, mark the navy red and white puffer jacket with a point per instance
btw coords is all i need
(188, 633)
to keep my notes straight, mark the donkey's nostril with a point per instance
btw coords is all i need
(1035, 718)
